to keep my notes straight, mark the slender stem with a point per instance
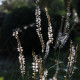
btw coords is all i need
(58, 54)
(67, 75)
(52, 67)
(22, 77)
(55, 55)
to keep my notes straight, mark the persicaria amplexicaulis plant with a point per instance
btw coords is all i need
(39, 71)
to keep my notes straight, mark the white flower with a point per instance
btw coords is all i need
(67, 24)
(22, 63)
(20, 49)
(25, 27)
(38, 25)
(46, 73)
(15, 33)
(76, 19)
(68, 13)
(71, 60)
(54, 78)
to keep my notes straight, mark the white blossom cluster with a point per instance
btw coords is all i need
(15, 34)
(59, 39)
(76, 19)
(50, 34)
(62, 39)
(22, 63)
(54, 78)
(37, 68)
(44, 75)
(38, 25)
(71, 61)
(35, 64)
(20, 50)
(67, 24)
(68, 14)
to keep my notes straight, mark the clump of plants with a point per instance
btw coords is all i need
(40, 72)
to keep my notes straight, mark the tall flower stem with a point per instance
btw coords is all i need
(71, 61)
(38, 25)
(20, 50)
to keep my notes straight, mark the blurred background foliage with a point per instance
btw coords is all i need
(57, 6)
(21, 14)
